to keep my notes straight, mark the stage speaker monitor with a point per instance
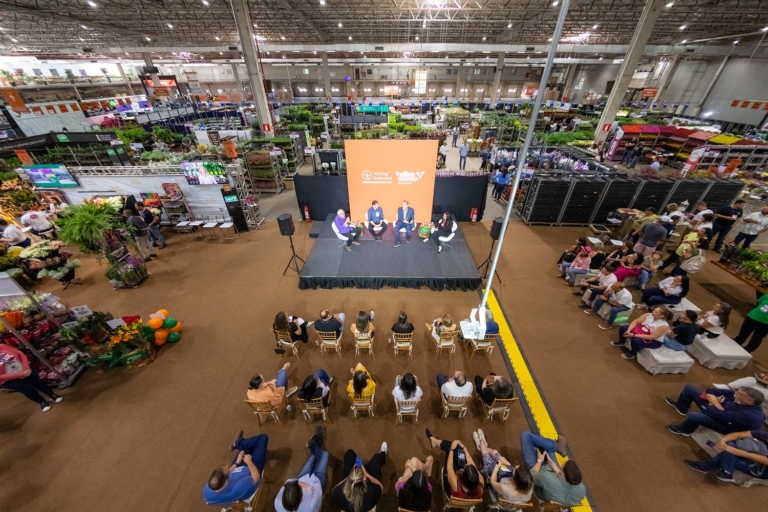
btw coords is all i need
(495, 227)
(285, 222)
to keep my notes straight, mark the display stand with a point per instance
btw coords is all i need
(626, 137)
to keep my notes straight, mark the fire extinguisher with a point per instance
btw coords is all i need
(306, 213)
(473, 215)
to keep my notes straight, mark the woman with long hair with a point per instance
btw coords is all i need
(402, 326)
(512, 483)
(414, 492)
(363, 325)
(360, 490)
(645, 331)
(442, 229)
(317, 386)
(361, 384)
(441, 324)
(406, 388)
(460, 477)
(294, 325)
(671, 290)
(714, 322)
(570, 253)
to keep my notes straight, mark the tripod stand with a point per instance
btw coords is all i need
(486, 265)
(293, 264)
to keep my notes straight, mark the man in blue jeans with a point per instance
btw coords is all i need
(463, 150)
(305, 492)
(722, 410)
(563, 485)
(405, 220)
(747, 456)
(238, 481)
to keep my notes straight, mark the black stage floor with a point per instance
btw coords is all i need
(377, 264)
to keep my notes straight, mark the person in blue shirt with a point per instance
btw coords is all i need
(484, 156)
(722, 410)
(375, 218)
(235, 482)
(463, 150)
(405, 221)
(491, 327)
(500, 183)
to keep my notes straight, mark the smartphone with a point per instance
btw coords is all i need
(358, 462)
(711, 444)
(290, 318)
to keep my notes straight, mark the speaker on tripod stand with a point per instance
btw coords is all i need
(495, 233)
(285, 223)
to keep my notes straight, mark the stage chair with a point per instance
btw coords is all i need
(447, 341)
(407, 408)
(338, 235)
(452, 502)
(368, 223)
(502, 505)
(446, 239)
(499, 406)
(264, 410)
(329, 341)
(363, 404)
(311, 409)
(248, 504)
(403, 342)
(283, 339)
(486, 344)
(363, 341)
(457, 404)
(196, 230)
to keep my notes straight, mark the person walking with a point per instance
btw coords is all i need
(16, 375)
(153, 225)
(485, 156)
(463, 151)
(756, 324)
(140, 233)
(455, 134)
(443, 152)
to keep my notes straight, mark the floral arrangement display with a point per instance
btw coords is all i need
(124, 346)
(86, 332)
(127, 272)
(749, 263)
(44, 259)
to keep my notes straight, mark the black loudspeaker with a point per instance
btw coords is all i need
(495, 227)
(285, 221)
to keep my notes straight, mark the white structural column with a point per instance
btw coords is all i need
(636, 47)
(327, 77)
(568, 82)
(712, 83)
(124, 77)
(148, 62)
(252, 64)
(236, 75)
(666, 76)
(459, 83)
(497, 80)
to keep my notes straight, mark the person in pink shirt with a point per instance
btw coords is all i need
(580, 265)
(631, 267)
(16, 375)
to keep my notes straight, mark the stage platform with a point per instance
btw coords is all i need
(375, 265)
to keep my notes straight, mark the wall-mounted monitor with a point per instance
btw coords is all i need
(50, 176)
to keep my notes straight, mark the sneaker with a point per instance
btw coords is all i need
(628, 356)
(291, 391)
(477, 440)
(724, 477)
(407, 240)
(617, 343)
(397, 244)
(317, 342)
(45, 407)
(481, 435)
(163, 246)
(237, 439)
(677, 431)
(589, 311)
(383, 447)
(562, 445)
(356, 243)
(57, 398)
(349, 248)
(584, 306)
(426, 240)
(695, 465)
(604, 327)
(578, 294)
(373, 315)
(673, 404)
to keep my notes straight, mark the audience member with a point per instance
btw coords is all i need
(491, 327)
(441, 324)
(669, 291)
(460, 476)
(305, 492)
(406, 388)
(580, 265)
(673, 211)
(697, 216)
(756, 324)
(753, 225)
(649, 268)
(414, 492)
(714, 322)
(618, 255)
(722, 410)
(270, 391)
(758, 382)
(570, 254)
(563, 485)
(492, 387)
(295, 326)
(645, 331)
(597, 257)
(618, 297)
(725, 218)
(363, 325)
(651, 235)
(596, 285)
(512, 483)
(738, 451)
(361, 385)
(706, 224)
(402, 326)
(689, 241)
(687, 264)
(317, 386)
(237, 481)
(456, 385)
(683, 332)
(360, 489)
(330, 322)
(630, 267)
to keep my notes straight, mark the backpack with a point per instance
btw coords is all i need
(694, 264)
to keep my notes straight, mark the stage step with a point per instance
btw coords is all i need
(316, 228)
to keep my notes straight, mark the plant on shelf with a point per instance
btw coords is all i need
(132, 135)
(155, 156)
(84, 225)
(22, 196)
(164, 134)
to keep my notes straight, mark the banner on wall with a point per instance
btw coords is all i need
(14, 100)
(391, 171)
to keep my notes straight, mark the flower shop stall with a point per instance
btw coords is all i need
(43, 259)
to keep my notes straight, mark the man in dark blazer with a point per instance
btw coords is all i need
(404, 220)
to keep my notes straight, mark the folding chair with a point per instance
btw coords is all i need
(486, 344)
(247, 505)
(499, 406)
(363, 341)
(550, 506)
(196, 230)
(209, 230)
(362, 404)
(228, 231)
(457, 404)
(403, 342)
(447, 341)
(265, 410)
(454, 502)
(283, 339)
(502, 505)
(329, 341)
(311, 409)
(407, 408)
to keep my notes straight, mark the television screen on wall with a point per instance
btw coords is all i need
(50, 176)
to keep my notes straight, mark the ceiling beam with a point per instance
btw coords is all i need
(536, 20)
(305, 19)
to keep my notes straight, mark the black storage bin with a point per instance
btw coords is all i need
(654, 194)
(618, 194)
(722, 193)
(584, 197)
(545, 199)
(689, 190)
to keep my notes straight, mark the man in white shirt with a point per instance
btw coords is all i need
(753, 225)
(13, 235)
(596, 285)
(618, 297)
(455, 386)
(697, 216)
(444, 151)
(305, 492)
(38, 221)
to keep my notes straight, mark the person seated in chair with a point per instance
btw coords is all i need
(347, 229)
(363, 325)
(361, 489)
(491, 327)
(305, 492)
(618, 298)
(330, 322)
(414, 492)
(722, 410)
(492, 387)
(456, 385)
(739, 451)
(440, 325)
(405, 216)
(597, 285)
(362, 384)
(683, 332)
(510, 482)
(402, 326)
(442, 229)
(645, 331)
(270, 391)
(461, 478)
(553, 483)
(317, 386)
(406, 388)
(239, 480)
(295, 326)
(376, 225)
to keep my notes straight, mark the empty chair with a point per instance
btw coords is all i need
(283, 339)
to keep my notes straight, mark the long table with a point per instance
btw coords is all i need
(759, 290)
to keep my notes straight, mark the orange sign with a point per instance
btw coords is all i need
(391, 171)
(14, 100)
(51, 109)
(161, 91)
(38, 111)
(649, 92)
(24, 157)
(74, 107)
(63, 108)
(229, 148)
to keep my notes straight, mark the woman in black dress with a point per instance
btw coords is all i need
(442, 229)
(293, 324)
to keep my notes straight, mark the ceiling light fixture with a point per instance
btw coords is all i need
(218, 38)
(205, 2)
(682, 27)
(83, 26)
(417, 38)
(684, 41)
(92, 4)
(14, 40)
(148, 39)
(764, 29)
(555, 3)
(80, 38)
(736, 42)
(670, 4)
(282, 37)
(350, 38)
(340, 25)
(594, 26)
(483, 38)
(509, 25)
(322, 2)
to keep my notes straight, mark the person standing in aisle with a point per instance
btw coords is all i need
(485, 155)
(141, 234)
(455, 134)
(16, 375)
(725, 218)
(753, 225)
(153, 225)
(756, 324)
(443, 152)
(463, 150)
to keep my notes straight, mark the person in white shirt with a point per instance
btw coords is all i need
(456, 385)
(444, 151)
(596, 285)
(38, 221)
(753, 225)
(706, 223)
(669, 291)
(406, 388)
(697, 216)
(646, 331)
(618, 297)
(14, 235)
(714, 322)
(56, 206)
(305, 492)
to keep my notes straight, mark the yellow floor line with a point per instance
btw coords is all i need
(532, 395)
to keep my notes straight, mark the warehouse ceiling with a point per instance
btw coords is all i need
(48, 27)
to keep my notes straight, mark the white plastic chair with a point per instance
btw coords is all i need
(446, 239)
(338, 235)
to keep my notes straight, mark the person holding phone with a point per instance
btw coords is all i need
(295, 326)
(360, 489)
(305, 492)
(513, 483)
(492, 387)
(461, 477)
(563, 485)
(739, 451)
(230, 483)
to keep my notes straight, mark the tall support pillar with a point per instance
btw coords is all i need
(238, 81)
(497, 80)
(665, 78)
(77, 94)
(124, 77)
(636, 47)
(148, 62)
(327, 77)
(713, 81)
(572, 69)
(252, 64)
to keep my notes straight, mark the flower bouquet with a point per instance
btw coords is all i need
(126, 346)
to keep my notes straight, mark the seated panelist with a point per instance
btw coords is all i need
(375, 221)
(405, 220)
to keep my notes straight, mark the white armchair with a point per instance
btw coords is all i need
(338, 235)
(368, 223)
(446, 239)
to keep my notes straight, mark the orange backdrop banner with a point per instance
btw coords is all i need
(391, 171)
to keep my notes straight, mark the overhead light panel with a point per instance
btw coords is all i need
(322, 2)
(670, 4)
(205, 2)
(736, 42)
(555, 3)
(483, 38)
(685, 41)
(218, 38)
(340, 25)
(282, 37)
(84, 27)
(594, 26)
(92, 4)
(14, 40)
(170, 25)
(417, 38)
(350, 38)
(148, 39)
(509, 25)
(762, 30)
(682, 27)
